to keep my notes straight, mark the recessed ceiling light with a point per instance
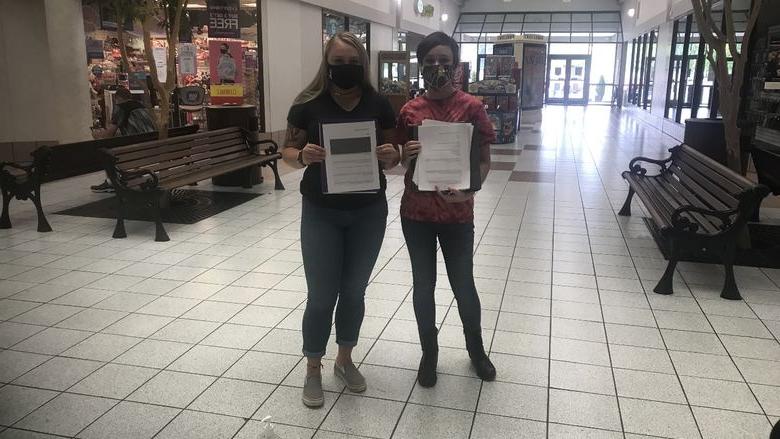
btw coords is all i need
(444, 17)
(631, 12)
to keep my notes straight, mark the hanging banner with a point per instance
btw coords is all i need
(223, 18)
(161, 61)
(226, 68)
(187, 61)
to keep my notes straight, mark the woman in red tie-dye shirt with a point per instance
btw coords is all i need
(446, 215)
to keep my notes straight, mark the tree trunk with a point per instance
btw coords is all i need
(165, 109)
(733, 143)
(120, 30)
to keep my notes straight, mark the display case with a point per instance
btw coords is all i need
(501, 102)
(394, 77)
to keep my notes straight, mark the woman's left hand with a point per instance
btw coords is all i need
(388, 155)
(452, 195)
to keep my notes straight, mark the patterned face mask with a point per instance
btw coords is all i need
(437, 76)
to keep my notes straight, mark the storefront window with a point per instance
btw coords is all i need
(334, 22)
(106, 71)
(692, 89)
(640, 64)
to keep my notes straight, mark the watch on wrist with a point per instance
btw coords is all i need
(300, 158)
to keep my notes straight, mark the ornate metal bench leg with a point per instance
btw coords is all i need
(666, 284)
(119, 230)
(278, 181)
(730, 290)
(5, 218)
(626, 209)
(159, 235)
(43, 224)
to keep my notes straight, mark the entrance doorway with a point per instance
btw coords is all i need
(568, 79)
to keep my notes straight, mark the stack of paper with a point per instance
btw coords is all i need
(445, 156)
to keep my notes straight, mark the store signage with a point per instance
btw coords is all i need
(187, 58)
(227, 72)
(161, 61)
(223, 18)
(95, 49)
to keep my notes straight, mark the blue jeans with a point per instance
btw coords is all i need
(457, 245)
(340, 248)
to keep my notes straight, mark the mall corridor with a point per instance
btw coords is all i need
(199, 337)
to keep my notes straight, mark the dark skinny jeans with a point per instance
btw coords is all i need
(457, 245)
(340, 248)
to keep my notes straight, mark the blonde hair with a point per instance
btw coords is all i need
(319, 84)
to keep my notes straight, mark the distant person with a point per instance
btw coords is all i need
(129, 117)
(226, 66)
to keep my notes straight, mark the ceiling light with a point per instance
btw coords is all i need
(631, 12)
(444, 17)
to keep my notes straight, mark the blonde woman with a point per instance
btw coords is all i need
(341, 234)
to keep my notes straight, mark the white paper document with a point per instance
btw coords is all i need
(351, 164)
(445, 156)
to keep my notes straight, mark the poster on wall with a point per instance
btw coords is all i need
(223, 18)
(534, 64)
(95, 49)
(187, 61)
(226, 69)
(772, 78)
(161, 61)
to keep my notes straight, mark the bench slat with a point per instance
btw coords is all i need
(177, 149)
(166, 161)
(157, 143)
(214, 160)
(209, 173)
(705, 189)
(677, 200)
(737, 181)
(690, 198)
(723, 183)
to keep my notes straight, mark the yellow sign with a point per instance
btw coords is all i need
(227, 90)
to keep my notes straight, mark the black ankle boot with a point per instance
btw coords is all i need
(426, 375)
(479, 358)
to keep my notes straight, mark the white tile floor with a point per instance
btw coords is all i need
(199, 337)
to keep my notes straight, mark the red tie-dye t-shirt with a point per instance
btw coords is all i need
(460, 107)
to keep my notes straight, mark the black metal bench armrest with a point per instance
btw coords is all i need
(635, 168)
(150, 184)
(252, 143)
(684, 224)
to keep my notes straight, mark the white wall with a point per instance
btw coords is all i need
(382, 38)
(68, 54)
(291, 59)
(410, 21)
(44, 93)
(540, 5)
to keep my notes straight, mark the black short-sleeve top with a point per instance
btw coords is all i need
(309, 115)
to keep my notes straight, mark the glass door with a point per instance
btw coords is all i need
(568, 79)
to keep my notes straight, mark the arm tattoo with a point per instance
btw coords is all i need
(295, 137)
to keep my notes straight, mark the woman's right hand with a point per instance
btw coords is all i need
(411, 149)
(313, 154)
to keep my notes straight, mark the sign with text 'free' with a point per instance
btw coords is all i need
(223, 18)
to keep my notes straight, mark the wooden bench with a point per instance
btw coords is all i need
(21, 176)
(149, 171)
(695, 203)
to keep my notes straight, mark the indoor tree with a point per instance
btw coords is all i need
(722, 42)
(168, 15)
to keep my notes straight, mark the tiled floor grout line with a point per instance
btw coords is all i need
(498, 313)
(585, 151)
(181, 410)
(554, 202)
(652, 311)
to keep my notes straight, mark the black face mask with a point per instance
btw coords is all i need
(346, 76)
(438, 76)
